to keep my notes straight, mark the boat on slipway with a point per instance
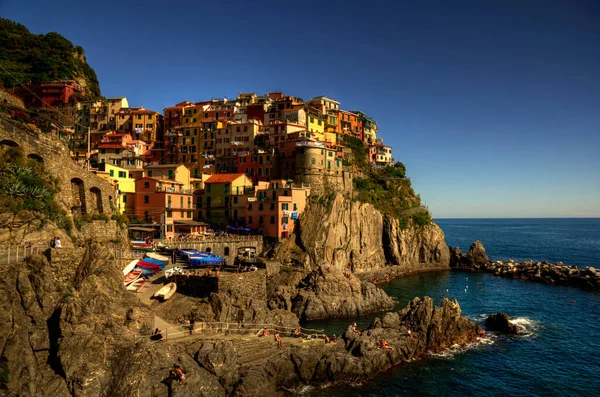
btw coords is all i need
(130, 266)
(131, 277)
(137, 285)
(158, 257)
(166, 292)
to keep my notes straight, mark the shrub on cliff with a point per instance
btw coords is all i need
(26, 186)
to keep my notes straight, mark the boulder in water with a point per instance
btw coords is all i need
(477, 255)
(501, 322)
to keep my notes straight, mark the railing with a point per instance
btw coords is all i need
(182, 240)
(161, 189)
(18, 252)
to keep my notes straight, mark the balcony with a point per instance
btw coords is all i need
(161, 189)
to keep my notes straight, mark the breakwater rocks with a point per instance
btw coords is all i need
(543, 272)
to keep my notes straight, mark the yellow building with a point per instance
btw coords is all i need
(124, 183)
(315, 124)
(219, 202)
(175, 172)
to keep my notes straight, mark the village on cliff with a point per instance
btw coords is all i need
(244, 165)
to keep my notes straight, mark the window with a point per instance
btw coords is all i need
(146, 185)
(313, 161)
(122, 174)
(149, 174)
(170, 174)
(295, 207)
(226, 251)
(261, 220)
(149, 117)
(182, 214)
(250, 220)
(249, 206)
(112, 173)
(189, 214)
(235, 200)
(181, 203)
(169, 228)
(272, 219)
(124, 198)
(146, 199)
(169, 214)
(284, 206)
(149, 126)
(139, 117)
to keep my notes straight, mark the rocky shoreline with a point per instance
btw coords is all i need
(544, 272)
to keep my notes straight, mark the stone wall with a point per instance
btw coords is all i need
(63, 263)
(101, 231)
(11, 99)
(81, 192)
(225, 246)
(238, 285)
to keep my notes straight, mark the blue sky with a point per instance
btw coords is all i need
(494, 107)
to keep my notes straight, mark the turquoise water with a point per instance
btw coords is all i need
(559, 353)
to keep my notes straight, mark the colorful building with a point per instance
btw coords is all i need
(124, 183)
(51, 94)
(162, 202)
(275, 208)
(221, 194)
(380, 154)
(176, 172)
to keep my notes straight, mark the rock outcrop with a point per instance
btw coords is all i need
(347, 234)
(501, 322)
(327, 293)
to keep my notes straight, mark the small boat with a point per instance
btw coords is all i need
(156, 262)
(172, 271)
(130, 267)
(166, 292)
(137, 285)
(158, 257)
(131, 277)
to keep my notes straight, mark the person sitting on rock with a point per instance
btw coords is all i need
(179, 374)
(384, 345)
(279, 340)
(327, 340)
(354, 329)
(296, 333)
(333, 338)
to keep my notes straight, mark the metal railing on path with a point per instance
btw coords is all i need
(13, 253)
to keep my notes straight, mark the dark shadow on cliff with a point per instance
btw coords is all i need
(54, 336)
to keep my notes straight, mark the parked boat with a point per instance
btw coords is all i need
(149, 265)
(161, 264)
(131, 276)
(166, 292)
(158, 257)
(130, 266)
(187, 252)
(214, 260)
(137, 285)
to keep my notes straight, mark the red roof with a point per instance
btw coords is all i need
(223, 178)
(110, 146)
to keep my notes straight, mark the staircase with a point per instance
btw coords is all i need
(256, 351)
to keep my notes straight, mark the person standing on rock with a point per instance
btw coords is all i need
(57, 243)
(279, 340)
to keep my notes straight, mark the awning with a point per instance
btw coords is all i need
(142, 229)
(190, 223)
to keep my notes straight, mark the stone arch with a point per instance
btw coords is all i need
(8, 142)
(207, 249)
(78, 197)
(36, 157)
(226, 251)
(97, 200)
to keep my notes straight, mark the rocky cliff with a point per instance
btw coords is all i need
(347, 234)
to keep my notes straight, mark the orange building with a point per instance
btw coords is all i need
(351, 124)
(276, 207)
(163, 202)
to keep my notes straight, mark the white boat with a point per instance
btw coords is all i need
(172, 271)
(158, 257)
(130, 267)
(166, 292)
(137, 285)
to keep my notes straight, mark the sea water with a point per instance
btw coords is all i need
(558, 354)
